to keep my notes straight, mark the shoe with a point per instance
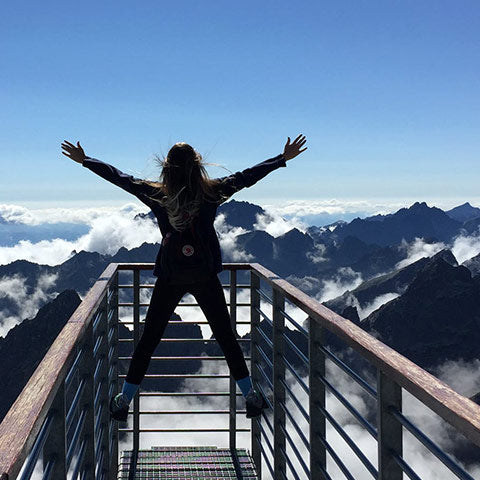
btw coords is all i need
(255, 403)
(119, 408)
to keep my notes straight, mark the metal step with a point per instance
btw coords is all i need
(187, 463)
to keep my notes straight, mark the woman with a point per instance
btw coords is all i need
(185, 201)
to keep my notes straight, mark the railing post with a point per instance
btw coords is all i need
(233, 384)
(254, 355)
(55, 444)
(318, 454)
(279, 443)
(389, 429)
(86, 370)
(103, 329)
(136, 338)
(113, 381)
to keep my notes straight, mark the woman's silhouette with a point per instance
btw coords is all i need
(185, 200)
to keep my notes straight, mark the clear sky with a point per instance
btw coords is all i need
(387, 93)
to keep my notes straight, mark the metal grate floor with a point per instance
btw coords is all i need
(187, 463)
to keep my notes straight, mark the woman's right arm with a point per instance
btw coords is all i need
(106, 171)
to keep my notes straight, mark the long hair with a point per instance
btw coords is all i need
(183, 185)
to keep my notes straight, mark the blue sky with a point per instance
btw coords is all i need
(385, 91)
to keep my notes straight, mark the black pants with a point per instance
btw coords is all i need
(209, 296)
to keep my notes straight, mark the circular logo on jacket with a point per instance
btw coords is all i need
(187, 250)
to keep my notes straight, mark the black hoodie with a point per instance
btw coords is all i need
(208, 210)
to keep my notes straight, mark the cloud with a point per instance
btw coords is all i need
(27, 302)
(333, 207)
(368, 308)
(465, 247)
(110, 230)
(418, 249)
(227, 238)
(316, 255)
(275, 225)
(345, 279)
(18, 214)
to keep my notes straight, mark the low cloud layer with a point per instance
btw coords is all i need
(110, 229)
(345, 279)
(463, 248)
(27, 303)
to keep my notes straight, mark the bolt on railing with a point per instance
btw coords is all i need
(68, 424)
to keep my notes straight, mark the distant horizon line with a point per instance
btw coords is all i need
(444, 204)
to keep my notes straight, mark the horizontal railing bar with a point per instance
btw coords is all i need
(110, 353)
(72, 370)
(335, 457)
(183, 430)
(360, 455)
(404, 466)
(79, 462)
(264, 295)
(187, 394)
(299, 353)
(264, 356)
(183, 358)
(98, 343)
(99, 463)
(76, 436)
(110, 293)
(192, 412)
(265, 376)
(267, 461)
(359, 417)
(368, 388)
(189, 322)
(294, 322)
(265, 337)
(181, 304)
(37, 446)
(150, 266)
(295, 449)
(97, 395)
(259, 423)
(48, 469)
(99, 417)
(435, 449)
(111, 332)
(152, 285)
(295, 399)
(97, 320)
(99, 440)
(269, 403)
(73, 406)
(186, 340)
(264, 315)
(295, 425)
(306, 389)
(289, 462)
(97, 372)
(179, 375)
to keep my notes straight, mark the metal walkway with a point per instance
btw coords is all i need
(59, 427)
(187, 463)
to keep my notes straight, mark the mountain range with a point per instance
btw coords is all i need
(428, 309)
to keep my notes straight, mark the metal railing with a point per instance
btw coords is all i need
(61, 416)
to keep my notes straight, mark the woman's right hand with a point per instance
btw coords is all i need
(76, 153)
(292, 150)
